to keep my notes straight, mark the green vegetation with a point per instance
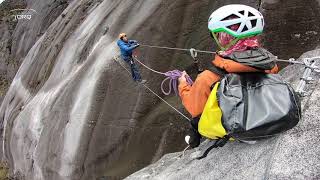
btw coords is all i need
(4, 85)
(8, 5)
(4, 171)
(6, 15)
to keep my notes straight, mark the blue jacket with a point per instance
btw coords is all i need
(126, 48)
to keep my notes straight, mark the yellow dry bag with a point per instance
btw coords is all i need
(210, 125)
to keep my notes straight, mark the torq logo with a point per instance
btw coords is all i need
(25, 14)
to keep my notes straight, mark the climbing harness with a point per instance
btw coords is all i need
(194, 54)
(116, 59)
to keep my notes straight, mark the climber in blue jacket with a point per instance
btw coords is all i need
(126, 47)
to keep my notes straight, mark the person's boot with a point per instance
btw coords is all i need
(142, 81)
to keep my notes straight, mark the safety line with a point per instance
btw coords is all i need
(167, 103)
(156, 94)
(179, 49)
(290, 61)
(193, 52)
(158, 72)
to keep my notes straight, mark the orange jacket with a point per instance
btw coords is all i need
(195, 97)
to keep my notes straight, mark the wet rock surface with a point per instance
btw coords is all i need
(72, 112)
(18, 36)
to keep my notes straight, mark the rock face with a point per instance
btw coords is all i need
(291, 26)
(8, 67)
(294, 154)
(17, 37)
(72, 112)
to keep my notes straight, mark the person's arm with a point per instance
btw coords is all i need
(123, 46)
(133, 41)
(195, 97)
(274, 70)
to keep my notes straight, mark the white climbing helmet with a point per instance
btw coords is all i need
(250, 20)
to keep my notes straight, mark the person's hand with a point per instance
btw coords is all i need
(137, 45)
(183, 77)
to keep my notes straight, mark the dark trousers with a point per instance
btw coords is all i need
(134, 69)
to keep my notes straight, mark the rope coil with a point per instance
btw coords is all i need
(171, 76)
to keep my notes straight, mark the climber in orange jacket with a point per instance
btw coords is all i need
(234, 29)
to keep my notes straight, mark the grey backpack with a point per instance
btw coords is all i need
(257, 105)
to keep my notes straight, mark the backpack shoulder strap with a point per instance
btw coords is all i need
(221, 72)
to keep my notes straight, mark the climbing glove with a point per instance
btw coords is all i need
(193, 138)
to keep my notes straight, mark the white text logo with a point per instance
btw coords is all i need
(23, 14)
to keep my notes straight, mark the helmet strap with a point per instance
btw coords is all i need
(222, 48)
(233, 42)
